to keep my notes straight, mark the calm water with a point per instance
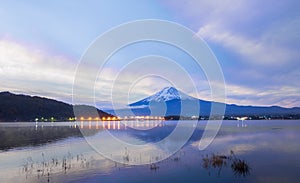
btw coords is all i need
(255, 151)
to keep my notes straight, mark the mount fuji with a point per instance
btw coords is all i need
(166, 94)
(172, 102)
(169, 102)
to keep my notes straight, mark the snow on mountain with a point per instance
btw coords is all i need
(166, 94)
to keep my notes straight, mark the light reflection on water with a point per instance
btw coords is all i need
(270, 148)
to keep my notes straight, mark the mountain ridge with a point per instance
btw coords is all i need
(154, 104)
(20, 107)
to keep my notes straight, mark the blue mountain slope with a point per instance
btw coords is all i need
(170, 101)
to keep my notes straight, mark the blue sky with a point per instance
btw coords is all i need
(257, 44)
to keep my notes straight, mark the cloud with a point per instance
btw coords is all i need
(30, 70)
(281, 96)
(33, 71)
(256, 51)
(252, 29)
(256, 43)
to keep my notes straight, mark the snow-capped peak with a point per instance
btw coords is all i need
(166, 94)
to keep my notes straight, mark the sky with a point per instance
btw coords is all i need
(256, 43)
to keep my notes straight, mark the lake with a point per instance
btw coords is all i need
(249, 151)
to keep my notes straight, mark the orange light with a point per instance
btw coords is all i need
(103, 119)
(90, 118)
(108, 118)
(82, 118)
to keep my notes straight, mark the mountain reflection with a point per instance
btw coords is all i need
(13, 137)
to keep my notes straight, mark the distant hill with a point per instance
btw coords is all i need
(27, 108)
(169, 102)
